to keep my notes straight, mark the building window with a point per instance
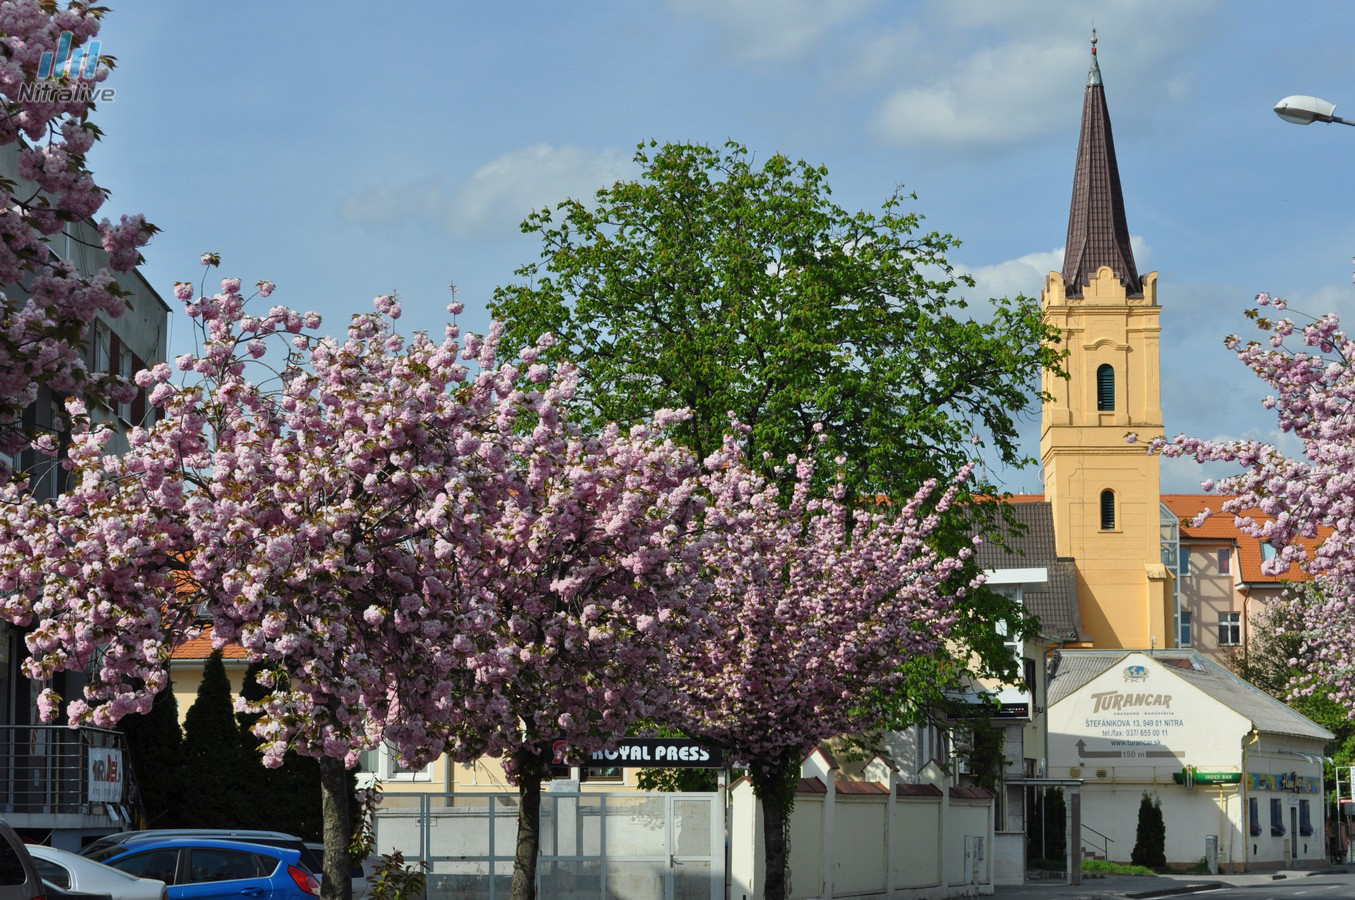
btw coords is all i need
(1105, 388)
(1183, 563)
(1226, 561)
(1268, 551)
(1305, 819)
(1107, 510)
(1230, 629)
(1183, 636)
(602, 773)
(384, 763)
(1276, 817)
(125, 369)
(1253, 816)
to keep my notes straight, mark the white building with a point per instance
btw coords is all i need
(1225, 760)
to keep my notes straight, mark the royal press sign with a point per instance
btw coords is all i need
(659, 753)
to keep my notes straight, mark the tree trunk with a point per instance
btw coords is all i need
(771, 789)
(529, 825)
(338, 829)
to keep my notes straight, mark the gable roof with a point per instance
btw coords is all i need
(1074, 669)
(1221, 527)
(1056, 605)
(200, 647)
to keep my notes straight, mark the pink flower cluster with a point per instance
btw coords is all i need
(1306, 501)
(42, 335)
(812, 607)
(412, 535)
(427, 552)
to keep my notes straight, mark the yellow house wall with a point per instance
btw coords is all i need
(1125, 594)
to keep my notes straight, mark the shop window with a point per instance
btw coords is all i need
(1276, 817)
(1105, 388)
(1107, 510)
(602, 773)
(1305, 819)
(1253, 816)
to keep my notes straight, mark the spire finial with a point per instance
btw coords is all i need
(1094, 75)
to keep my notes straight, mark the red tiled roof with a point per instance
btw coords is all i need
(970, 793)
(200, 647)
(1220, 526)
(917, 790)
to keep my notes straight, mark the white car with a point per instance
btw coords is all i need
(76, 873)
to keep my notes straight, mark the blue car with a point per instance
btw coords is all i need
(196, 869)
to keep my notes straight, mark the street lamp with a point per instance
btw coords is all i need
(1301, 109)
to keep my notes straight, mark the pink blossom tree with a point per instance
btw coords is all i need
(47, 88)
(1307, 502)
(422, 555)
(815, 608)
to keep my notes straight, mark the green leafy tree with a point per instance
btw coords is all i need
(726, 288)
(742, 291)
(214, 766)
(1150, 838)
(155, 745)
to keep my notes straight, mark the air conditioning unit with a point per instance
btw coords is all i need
(1075, 772)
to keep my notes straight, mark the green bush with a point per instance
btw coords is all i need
(1150, 841)
(1101, 867)
(1047, 831)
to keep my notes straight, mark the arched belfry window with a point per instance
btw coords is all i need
(1107, 510)
(1105, 388)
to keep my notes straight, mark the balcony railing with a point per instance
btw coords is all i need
(58, 770)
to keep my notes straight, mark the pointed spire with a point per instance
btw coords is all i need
(1098, 234)
(1094, 74)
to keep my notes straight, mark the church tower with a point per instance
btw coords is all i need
(1103, 491)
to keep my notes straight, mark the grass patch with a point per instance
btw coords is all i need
(1101, 867)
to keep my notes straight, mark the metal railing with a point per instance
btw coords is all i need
(1088, 843)
(55, 769)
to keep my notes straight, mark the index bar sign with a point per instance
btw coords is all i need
(1192, 776)
(657, 753)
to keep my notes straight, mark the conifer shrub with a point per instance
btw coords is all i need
(1150, 840)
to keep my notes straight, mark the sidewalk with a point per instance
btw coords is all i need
(1146, 886)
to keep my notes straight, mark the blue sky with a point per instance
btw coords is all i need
(344, 150)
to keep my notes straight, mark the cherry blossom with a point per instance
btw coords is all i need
(1306, 502)
(43, 324)
(813, 607)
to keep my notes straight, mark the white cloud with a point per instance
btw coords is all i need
(1023, 275)
(503, 191)
(495, 199)
(983, 75)
(773, 30)
(385, 205)
(995, 96)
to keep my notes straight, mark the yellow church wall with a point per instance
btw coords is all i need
(1125, 593)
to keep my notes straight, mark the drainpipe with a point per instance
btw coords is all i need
(1253, 738)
